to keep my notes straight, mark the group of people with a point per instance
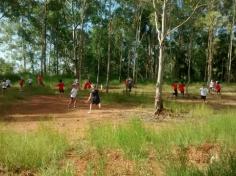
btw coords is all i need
(214, 86)
(30, 81)
(93, 98)
(178, 86)
(6, 83)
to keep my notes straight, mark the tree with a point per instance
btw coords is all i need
(231, 42)
(162, 32)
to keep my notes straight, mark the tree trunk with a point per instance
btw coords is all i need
(189, 61)
(210, 55)
(137, 41)
(44, 41)
(109, 51)
(158, 100)
(161, 37)
(231, 45)
(121, 56)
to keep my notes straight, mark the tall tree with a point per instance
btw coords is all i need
(231, 42)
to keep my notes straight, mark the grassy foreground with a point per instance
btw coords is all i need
(37, 152)
(173, 145)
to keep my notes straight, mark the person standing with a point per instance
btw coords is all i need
(73, 95)
(174, 87)
(94, 98)
(21, 83)
(181, 87)
(203, 92)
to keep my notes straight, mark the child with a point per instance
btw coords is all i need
(8, 83)
(212, 86)
(73, 95)
(94, 98)
(129, 84)
(40, 80)
(29, 81)
(87, 85)
(21, 83)
(218, 87)
(4, 86)
(174, 87)
(181, 88)
(60, 86)
(203, 92)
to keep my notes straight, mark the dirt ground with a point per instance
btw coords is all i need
(27, 115)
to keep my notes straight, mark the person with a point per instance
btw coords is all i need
(40, 80)
(212, 86)
(129, 84)
(203, 92)
(174, 87)
(181, 88)
(94, 98)
(21, 83)
(218, 87)
(87, 85)
(4, 86)
(73, 95)
(8, 83)
(30, 81)
(61, 86)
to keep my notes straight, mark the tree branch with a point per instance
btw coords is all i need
(156, 23)
(186, 20)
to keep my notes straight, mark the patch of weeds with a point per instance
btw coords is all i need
(201, 110)
(90, 169)
(225, 167)
(53, 169)
(31, 151)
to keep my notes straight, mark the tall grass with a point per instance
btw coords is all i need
(53, 169)
(31, 151)
(136, 141)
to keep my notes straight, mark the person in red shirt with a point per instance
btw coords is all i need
(181, 88)
(88, 85)
(40, 80)
(174, 87)
(218, 87)
(21, 83)
(61, 86)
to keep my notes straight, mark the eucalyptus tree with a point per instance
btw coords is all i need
(160, 10)
(232, 25)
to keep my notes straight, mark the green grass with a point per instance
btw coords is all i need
(53, 169)
(136, 140)
(31, 150)
(123, 98)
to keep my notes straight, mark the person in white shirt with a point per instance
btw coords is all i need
(8, 83)
(3, 85)
(212, 86)
(73, 95)
(29, 81)
(203, 92)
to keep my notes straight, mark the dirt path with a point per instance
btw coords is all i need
(28, 115)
